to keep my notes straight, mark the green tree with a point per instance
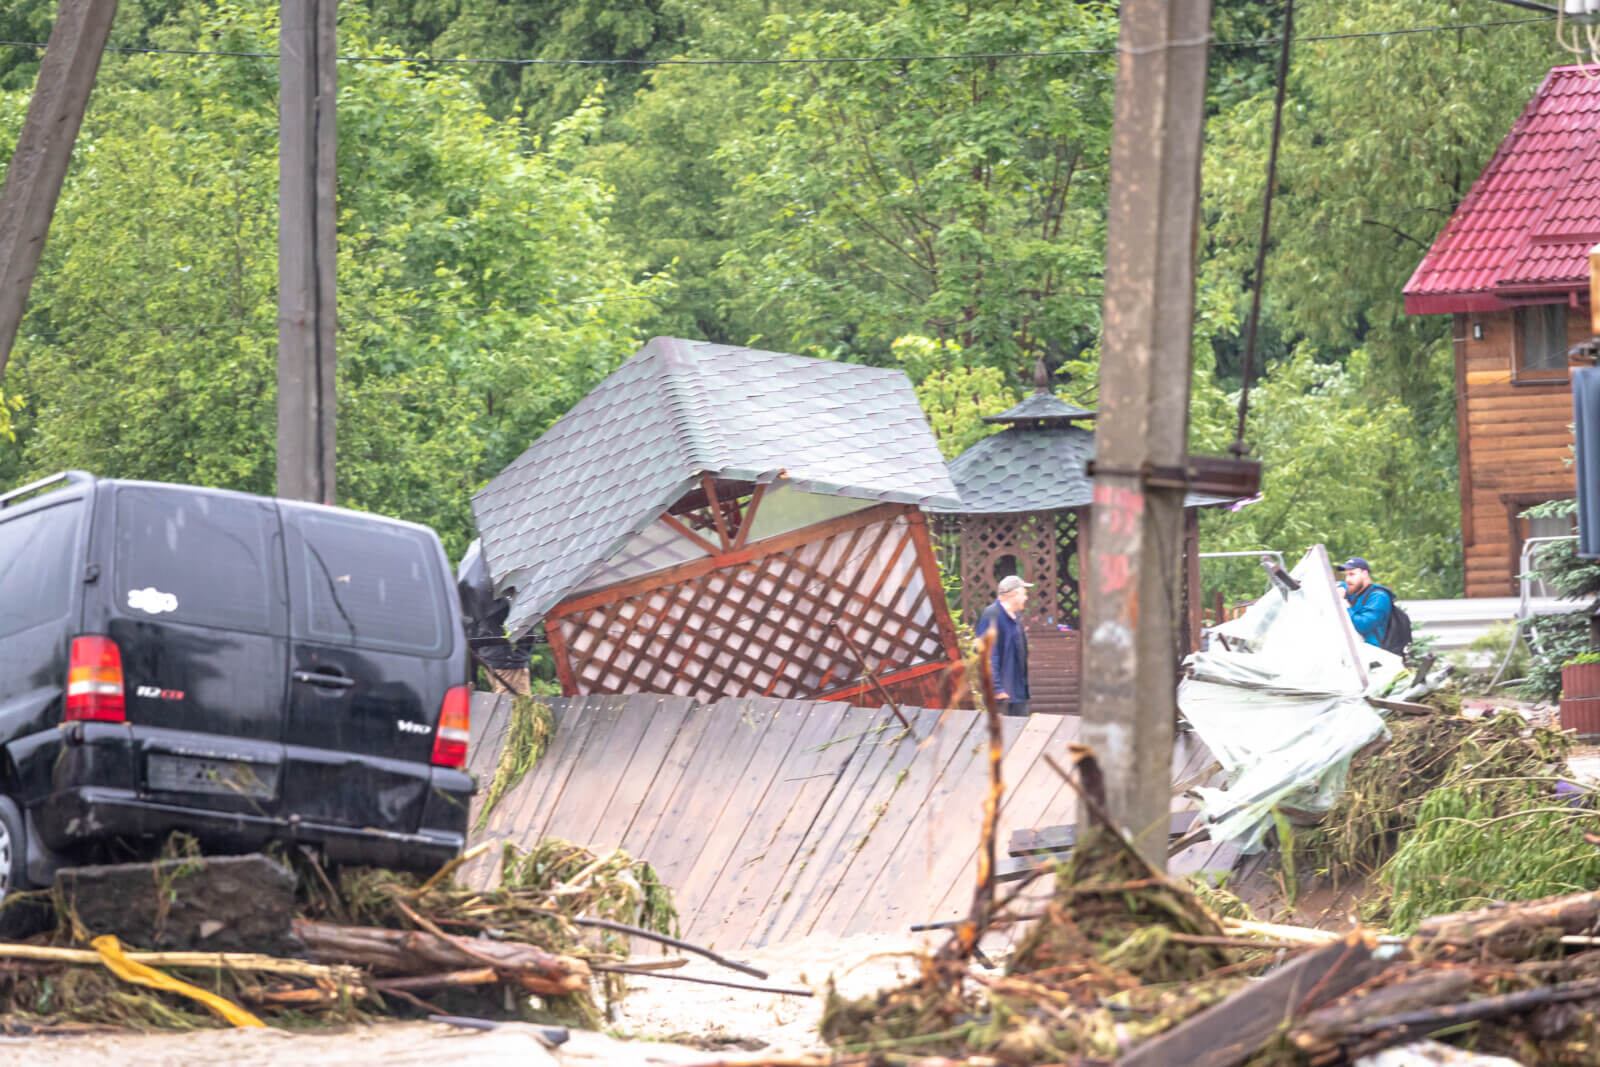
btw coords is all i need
(1382, 138)
(1338, 468)
(962, 200)
(954, 394)
(481, 292)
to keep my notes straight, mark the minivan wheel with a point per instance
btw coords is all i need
(12, 849)
(18, 918)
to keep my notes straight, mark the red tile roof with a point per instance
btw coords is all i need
(1527, 224)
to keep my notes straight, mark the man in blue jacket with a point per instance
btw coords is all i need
(1008, 656)
(1369, 605)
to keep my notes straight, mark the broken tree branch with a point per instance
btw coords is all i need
(644, 972)
(401, 952)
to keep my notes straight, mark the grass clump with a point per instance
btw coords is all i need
(1120, 954)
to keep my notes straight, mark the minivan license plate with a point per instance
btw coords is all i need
(219, 777)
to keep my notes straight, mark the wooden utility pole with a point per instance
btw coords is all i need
(1133, 607)
(306, 248)
(39, 163)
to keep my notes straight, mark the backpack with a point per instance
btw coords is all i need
(1397, 638)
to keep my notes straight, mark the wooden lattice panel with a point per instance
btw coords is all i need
(1041, 546)
(763, 626)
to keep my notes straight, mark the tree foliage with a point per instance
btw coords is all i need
(964, 202)
(481, 293)
(1337, 468)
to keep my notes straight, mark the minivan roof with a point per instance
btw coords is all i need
(298, 505)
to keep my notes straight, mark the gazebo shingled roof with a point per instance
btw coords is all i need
(676, 411)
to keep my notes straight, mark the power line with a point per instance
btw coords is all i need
(957, 57)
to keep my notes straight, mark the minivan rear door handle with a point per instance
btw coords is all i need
(333, 681)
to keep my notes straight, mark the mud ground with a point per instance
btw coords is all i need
(660, 1021)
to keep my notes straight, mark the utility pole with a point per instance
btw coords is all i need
(39, 163)
(307, 245)
(1141, 466)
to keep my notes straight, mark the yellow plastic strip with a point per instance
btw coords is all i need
(112, 956)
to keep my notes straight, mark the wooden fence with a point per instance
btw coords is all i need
(772, 819)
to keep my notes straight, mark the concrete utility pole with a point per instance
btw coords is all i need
(307, 245)
(39, 164)
(1131, 612)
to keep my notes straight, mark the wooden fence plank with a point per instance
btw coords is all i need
(669, 776)
(1030, 784)
(935, 853)
(892, 837)
(814, 770)
(847, 872)
(733, 739)
(729, 840)
(878, 734)
(545, 792)
(664, 717)
(608, 773)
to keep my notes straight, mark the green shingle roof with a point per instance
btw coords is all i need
(679, 409)
(1025, 468)
(1033, 468)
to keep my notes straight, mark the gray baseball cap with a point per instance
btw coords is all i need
(1011, 582)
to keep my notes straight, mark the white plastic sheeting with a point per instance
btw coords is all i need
(1433, 1054)
(1279, 698)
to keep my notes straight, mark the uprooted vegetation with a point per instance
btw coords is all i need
(378, 943)
(1126, 964)
(1447, 812)
(1121, 952)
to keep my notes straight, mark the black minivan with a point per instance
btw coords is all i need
(240, 668)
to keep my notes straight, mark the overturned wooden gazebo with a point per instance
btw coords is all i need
(714, 522)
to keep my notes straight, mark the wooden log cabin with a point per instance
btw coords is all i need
(1512, 270)
(713, 521)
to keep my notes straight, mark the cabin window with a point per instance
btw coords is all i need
(1540, 350)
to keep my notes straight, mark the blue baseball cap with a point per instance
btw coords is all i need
(1356, 563)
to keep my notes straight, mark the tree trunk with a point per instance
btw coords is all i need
(414, 952)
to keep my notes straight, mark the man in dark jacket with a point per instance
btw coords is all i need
(1008, 656)
(1369, 605)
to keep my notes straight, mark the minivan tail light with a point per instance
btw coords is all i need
(455, 717)
(94, 681)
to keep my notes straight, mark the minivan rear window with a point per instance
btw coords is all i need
(36, 553)
(369, 584)
(197, 558)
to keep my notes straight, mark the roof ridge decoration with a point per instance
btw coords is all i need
(1523, 230)
(679, 409)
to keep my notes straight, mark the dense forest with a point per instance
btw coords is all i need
(510, 231)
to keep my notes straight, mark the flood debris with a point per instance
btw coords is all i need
(1126, 965)
(1422, 769)
(133, 945)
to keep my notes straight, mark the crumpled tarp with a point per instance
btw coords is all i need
(1279, 698)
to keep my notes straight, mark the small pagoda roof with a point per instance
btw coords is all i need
(1025, 468)
(1042, 409)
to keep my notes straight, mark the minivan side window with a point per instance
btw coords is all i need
(36, 554)
(197, 558)
(369, 584)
